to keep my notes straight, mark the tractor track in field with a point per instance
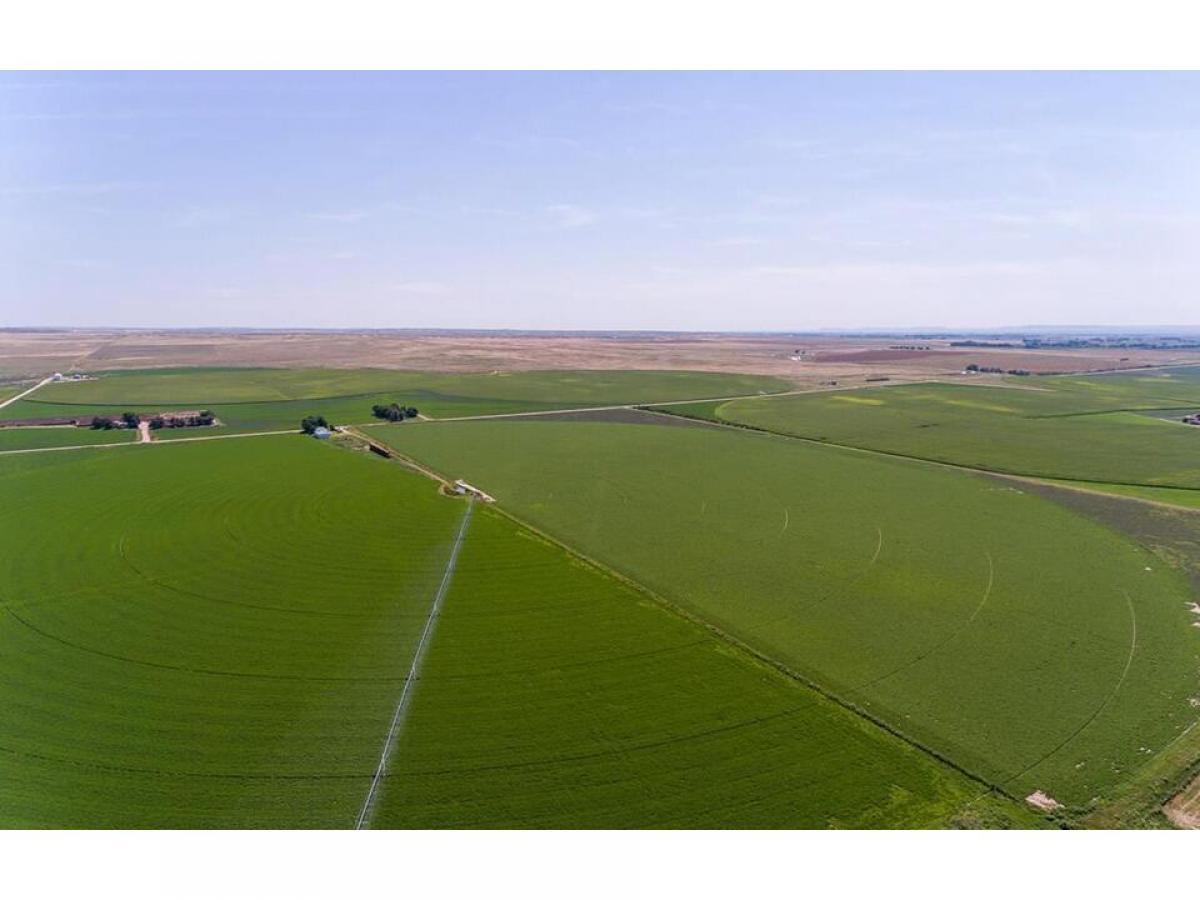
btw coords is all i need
(1103, 704)
(195, 670)
(170, 773)
(615, 751)
(208, 598)
(368, 807)
(987, 592)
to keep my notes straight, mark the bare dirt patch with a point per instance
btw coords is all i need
(1184, 808)
(1173, 533)
(820, 358)
(1043, 801)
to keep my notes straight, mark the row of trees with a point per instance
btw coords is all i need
(132, 420)
(394, 412)
(996, 370)
(204, 417)
(107, 423)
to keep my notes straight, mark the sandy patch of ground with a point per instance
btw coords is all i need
(1043, 801)
(1184, 808)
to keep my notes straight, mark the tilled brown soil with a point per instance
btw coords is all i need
(804, 359)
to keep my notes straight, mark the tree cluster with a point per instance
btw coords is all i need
(309, 424)
(394, 412)
(996, 370)
(204, 417)
(132, 420)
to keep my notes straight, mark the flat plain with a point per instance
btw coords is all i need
(249, 400)
(1040, 650)
(1093, 429)
(218, 634)
(215, 634)
(556, 696)
(661, 622)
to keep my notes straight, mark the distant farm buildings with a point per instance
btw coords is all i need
(321, 433)
(1193, 419)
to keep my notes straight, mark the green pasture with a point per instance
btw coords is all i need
(248, 400)
(206, 635)
(553, 696)
(11, 390)
(216, 636)
(35, 438)
(1055, 433)
(499, 390)
(1035, 647)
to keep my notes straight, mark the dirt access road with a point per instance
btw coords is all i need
(24, 393)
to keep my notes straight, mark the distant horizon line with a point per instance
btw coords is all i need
(878, 331)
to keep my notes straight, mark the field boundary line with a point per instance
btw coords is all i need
(755, 655)
(893, 454)
(368, 807)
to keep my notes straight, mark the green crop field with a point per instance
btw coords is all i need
(214, 635)
(739, 628)
(189, 387)
(247, 400)
(1055, 428)
(219, 632)
(1033, 646)
(34, 438)
(10, 390)
(554, 696)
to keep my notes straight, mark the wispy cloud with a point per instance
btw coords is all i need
(199, 216)
(347, 217)
(80, 189)
(423, 288)
(567, 215)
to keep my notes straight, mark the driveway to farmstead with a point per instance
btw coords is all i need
(24, 393)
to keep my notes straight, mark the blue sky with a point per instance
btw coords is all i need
(620, 200)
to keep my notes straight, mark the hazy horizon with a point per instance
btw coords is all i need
(730, 202)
